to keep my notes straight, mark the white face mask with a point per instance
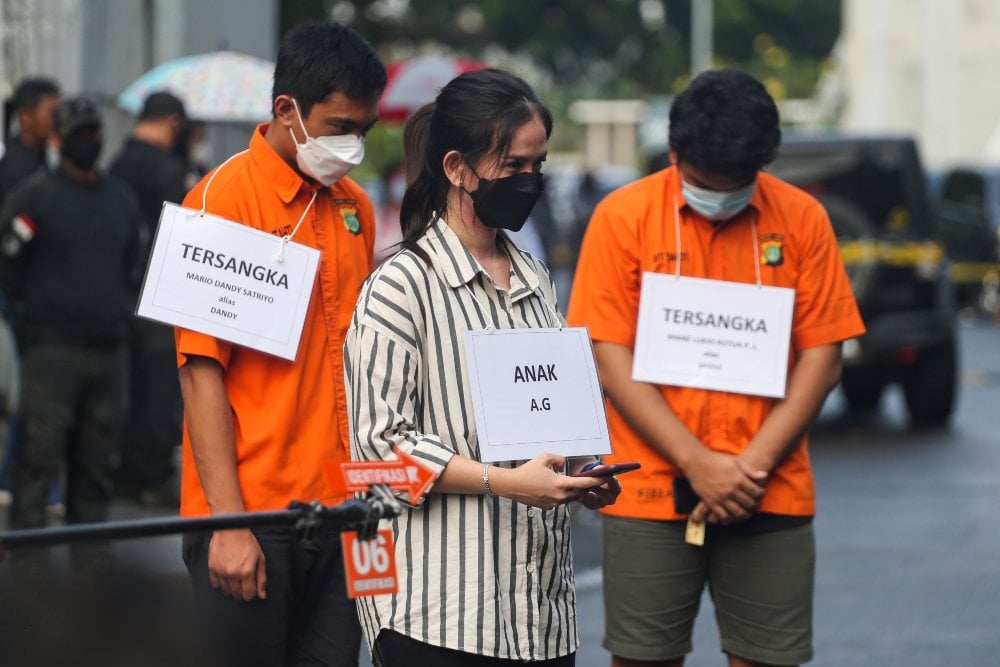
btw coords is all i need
(717, 204)
(52, 156)
(327, 159)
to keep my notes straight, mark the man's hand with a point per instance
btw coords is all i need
(236, 565)
(729, 489)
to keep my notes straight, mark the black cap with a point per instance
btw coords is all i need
(75, 114)
(160, 105)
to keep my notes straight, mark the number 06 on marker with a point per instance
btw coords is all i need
(370, 565)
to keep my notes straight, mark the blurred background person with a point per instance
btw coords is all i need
(388, 233)
(30, 109)
(149, 164)
(194, 150)
(68, 242)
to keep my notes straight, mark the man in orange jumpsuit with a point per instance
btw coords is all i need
(257, 427)
(717, 217)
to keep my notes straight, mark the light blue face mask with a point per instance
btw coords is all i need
(716, 204)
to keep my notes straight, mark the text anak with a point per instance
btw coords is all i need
(716, 320)
(535, 373)
(237, 266)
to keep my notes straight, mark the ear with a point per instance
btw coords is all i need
(284, 110)
(455, 168)
(672, 154)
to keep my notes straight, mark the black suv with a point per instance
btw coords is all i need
(875, 193)
(968, 207)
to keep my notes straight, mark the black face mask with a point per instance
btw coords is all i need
(82, 151)
(504, 203)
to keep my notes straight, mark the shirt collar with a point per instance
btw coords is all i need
(285, 180)
(459, 267)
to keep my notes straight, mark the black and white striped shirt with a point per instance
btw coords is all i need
(482, 575)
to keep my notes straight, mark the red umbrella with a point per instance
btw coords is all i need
(416, 81)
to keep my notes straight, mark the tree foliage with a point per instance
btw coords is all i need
(579, 49)
(615, 47)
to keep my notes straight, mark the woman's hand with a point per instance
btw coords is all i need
(540, 483)
(601, 496)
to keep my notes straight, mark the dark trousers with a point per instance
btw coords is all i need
(395, 650)
(306, 619)
(73, 402)
(156, 411)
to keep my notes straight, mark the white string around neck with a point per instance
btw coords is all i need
(283, 241)
(215, 172)
(288, 237)
(677, 235)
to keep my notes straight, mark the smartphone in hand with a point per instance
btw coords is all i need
(598, 469)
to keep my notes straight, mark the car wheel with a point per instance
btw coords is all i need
(862, 388)
(929, 386)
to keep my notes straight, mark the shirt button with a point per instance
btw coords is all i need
(530, 568)
(532, 512)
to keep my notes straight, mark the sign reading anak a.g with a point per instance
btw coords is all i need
(713, 334)
(535, 391)
(224, 279)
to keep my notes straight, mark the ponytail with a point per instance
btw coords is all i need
(424, 196)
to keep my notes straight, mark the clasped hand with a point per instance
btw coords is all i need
(730, 489)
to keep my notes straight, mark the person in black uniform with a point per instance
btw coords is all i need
(68, 244)
(149, 164)
(32, 105)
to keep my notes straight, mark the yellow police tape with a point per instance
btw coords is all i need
(913, 253)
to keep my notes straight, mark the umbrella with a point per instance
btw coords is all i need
(218, 86)
(416, 81)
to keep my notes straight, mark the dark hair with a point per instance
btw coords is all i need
(476, 114)
(318, 59)
(75, 114)
(160, 105)
(726, 124)
(30, 92)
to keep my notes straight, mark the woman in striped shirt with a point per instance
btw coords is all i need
(486, 571)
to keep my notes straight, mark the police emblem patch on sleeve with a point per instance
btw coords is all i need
(349, 214)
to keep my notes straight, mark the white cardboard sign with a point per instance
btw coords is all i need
(713, 334)
(223, 279)
(535, 391)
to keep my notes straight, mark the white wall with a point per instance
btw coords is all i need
(927, 68)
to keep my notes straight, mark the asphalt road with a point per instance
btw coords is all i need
(908, 535)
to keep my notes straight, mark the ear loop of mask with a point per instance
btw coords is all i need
(283, 241)
(677, 235)
(305, 133)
